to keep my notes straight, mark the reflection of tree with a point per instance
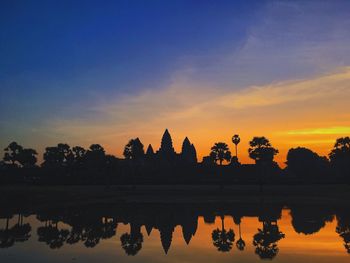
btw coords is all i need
(21, 231)
(6, 238)
(132, 243)
(52, 235)
(309, 220)
(108, 228)
(343, 229)
(266, 240)
(86, 227)
(222, 239)
(240, 244)
(90, 229)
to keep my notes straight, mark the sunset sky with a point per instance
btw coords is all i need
(107, 71)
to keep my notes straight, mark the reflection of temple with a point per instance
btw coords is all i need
(89, 226)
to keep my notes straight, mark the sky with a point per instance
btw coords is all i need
(83, 72)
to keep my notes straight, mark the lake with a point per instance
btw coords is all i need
(177, 232)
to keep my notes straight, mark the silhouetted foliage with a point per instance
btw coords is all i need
(222, 239)
(12, 152)
(220, 152)
(77, 165)
(309, 220)
(79, 154)
(261, 150)
(6, 238)
(304, 162)
(340, 156)
(27, 158)
(236, 140)
(16, 155)
(96, 155)
(240, 244)
(266, 240)
(58, 156)
(134, 150)
(132, 243)
(343, 228)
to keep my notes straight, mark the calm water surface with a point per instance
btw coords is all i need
(177, 234)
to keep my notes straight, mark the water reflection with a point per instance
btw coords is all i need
(58, 227)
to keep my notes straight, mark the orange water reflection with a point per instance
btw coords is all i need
(325, 245)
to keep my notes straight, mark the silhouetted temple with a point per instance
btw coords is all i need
(167, 155)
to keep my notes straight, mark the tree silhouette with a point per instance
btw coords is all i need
(340, 156)
(220, 152)
(79, 154)
(16, 155)
(134, 150)
(222, 239)
(27, 158)
(95, 156)
(58, 156)
(12, 153)
(266, 240)
(341, 149)
(236, 140)
(261, 150)
(302, 161)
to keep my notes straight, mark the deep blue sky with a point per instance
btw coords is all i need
(62, 61)
(55, 52)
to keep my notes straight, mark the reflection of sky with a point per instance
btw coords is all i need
(324, 246)
(88, 72)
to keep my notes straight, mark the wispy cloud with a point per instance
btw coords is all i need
(330, 86)
(314, 106)
(321, 131)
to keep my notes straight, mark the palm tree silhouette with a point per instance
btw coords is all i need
(220, 152)
(236, 140)
(240, 244)
(222, 239)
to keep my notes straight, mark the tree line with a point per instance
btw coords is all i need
(76, 161)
